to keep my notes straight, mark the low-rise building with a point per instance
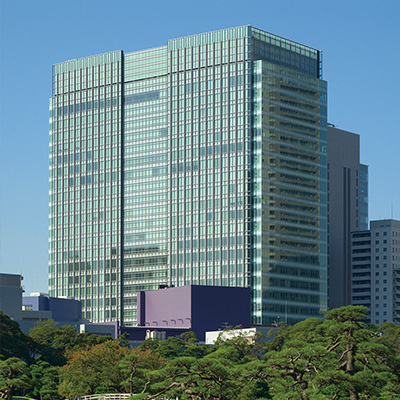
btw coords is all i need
(11, 295)
(28, 310)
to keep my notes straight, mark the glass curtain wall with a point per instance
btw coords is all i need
(210, 126)
(146, 176)
(85, 184)
(290, 185)
(222, 141)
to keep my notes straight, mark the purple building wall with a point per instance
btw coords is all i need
(62, 309)
(197, 308)
(216, 308)
(166, 307)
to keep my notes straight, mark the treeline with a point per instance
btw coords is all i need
(336, 358)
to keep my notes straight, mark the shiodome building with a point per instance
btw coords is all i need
(200, 162)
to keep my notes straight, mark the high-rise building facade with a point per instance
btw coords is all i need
(200, 162)
(347, 210)
(375, 271)
(363, 198)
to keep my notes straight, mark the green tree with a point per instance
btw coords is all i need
(239, 349)
(185, 346)
(55, 341)
(215, 378)
(189, 337)
(361, 364)
(150, 343)
(136, 365)
(294, 370)
(94, 370)
(193, 348)
(191, 378)
(14, 343)
(389, 333)
(171, 348)
(244, 358)
(339, 358)
(45, 380)
(232, 369)
(293, 360)
(14, 374)
(253, 381)
(52, 340)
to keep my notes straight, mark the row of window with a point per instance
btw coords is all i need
(93, 192)
(82, 156)
(146, 135)
(84, 106)
(211, 163)
(99, 123)
(82, 265)
(60, 87)
(83, 217)
(107, 177)
(84, 279)
(83, 138)
(203, 74)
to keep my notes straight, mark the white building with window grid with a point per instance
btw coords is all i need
(375, 273)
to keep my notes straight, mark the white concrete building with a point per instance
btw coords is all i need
(376, 270)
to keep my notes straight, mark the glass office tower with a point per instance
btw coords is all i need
(200, 162)
(85, 195)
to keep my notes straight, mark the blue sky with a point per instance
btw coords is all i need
(361, 58)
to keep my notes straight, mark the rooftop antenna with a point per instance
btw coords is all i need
(392, 210)
(20, 271)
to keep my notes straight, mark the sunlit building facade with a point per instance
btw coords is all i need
(375, 271)
(199, 162)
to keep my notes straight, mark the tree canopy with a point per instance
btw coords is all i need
(340, 357)
(13, 342)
